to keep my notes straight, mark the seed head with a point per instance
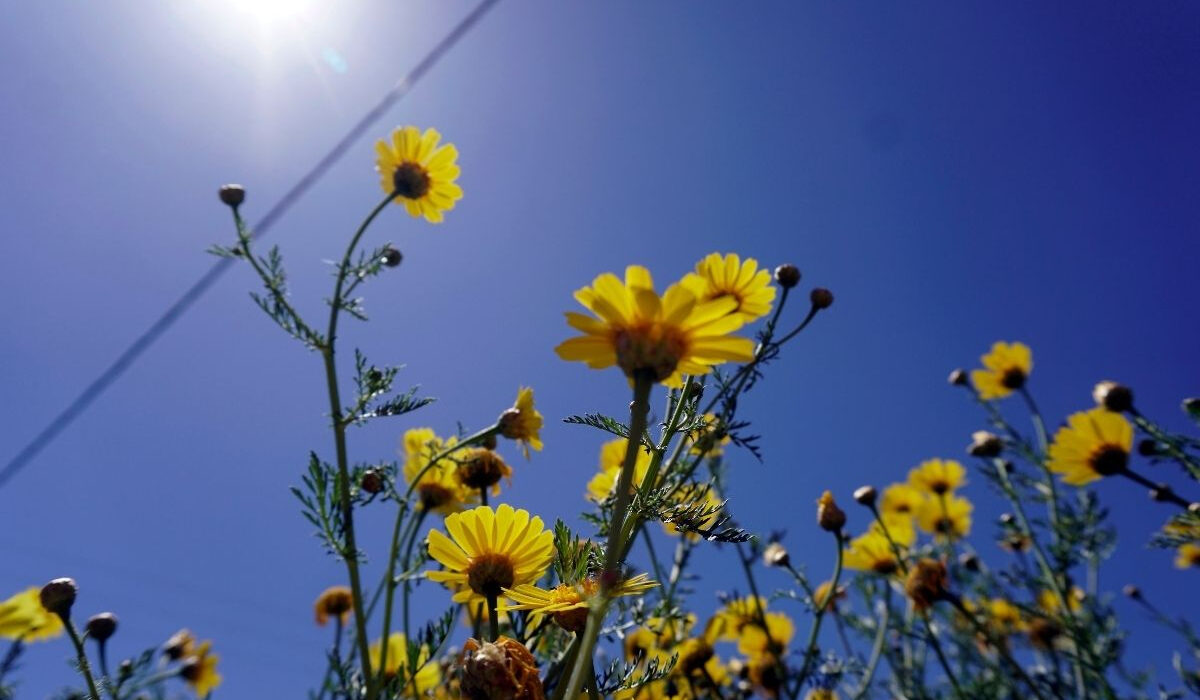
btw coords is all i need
(101, 627)
(503, 670)
(821, 298)
(829, 516)
(1117, 398)
(776, 555)
(59, 595)
(232, 195)
(865, 495)
(787, 275)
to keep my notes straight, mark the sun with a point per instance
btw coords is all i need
(269, 12)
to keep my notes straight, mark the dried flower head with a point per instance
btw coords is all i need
(334, 602)
(500, 670)
(829, 516)
(776, 555)
(927, 583)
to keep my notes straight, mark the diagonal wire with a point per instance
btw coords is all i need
(174, 312)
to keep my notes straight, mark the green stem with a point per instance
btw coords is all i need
(642, 383)
(1173, 448)
(493, 618)
(941, 655)
(877, 647)
(1039, 427)
(389, 582)
(84, 668)
(1167, 495)
(998, 645)
(350, 552)
(810, 649)
(658, 572)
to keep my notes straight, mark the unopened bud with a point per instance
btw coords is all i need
(1161, 492)
(1192, 407)
(101, 627)
(1117, 398)
(1131, 591)
(232, 195)
(124, 671)
(179, 645)
(969, 561)
(958, 378)
(1007, 518)
(391, 257)
(776, 555)
(372, 481)
(1194, 508)
(59, 595)
(985, 444)
(787, 275)
(829, 516)
(1148, 447)
(821, 298)
(865, 495)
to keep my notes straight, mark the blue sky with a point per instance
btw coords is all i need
(956, 173)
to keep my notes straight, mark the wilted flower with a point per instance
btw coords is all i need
(503, 670)
(522, 422)
(926, 583)
(334, 602)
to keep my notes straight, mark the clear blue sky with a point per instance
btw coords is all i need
(957, 173)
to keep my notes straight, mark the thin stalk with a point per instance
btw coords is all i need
(877, 647)
(81, 656)
(1173, 449)
(997, 645)
(1039, 427)
(810, 649)
(568, 662)
(390, 583)
(642, 383)
(941, 655)
(658, 573)
(483, 495)
(1161, 494)
(493, 618)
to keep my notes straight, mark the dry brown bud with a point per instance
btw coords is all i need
(232, 195)
(59, 595)
(926, 583)
(372, 481)
(504, 670)
(776, 555)
(985, 444)
(334, 602)
(1043, 632)
(787, 275)
(865, 495)
(829, 516)
(1113, 396)
(821, 298)
(101, 627)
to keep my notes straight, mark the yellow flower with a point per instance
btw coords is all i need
(1000, 617)
(1188, 555)
(336, 602)
(824, 597)
(419, 171)
(1006, 368)
(612, 455)
(937, 476)
(821, 694)
(491, 550)
(691, 495)
(643, 333)
(948, 516)
(1048, 601)
(200, 670)
(481, 468)
(23, 618)
(899, 528)
(872, 552)
(567, 604)
(716, 277)
(710, 440)
(439, 488)
(729, 621)
(900, 499)
(1093, 444)
(428, 674)
(755, 641)
(522, 422)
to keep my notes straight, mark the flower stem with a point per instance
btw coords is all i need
(493, 618)
(84, 668)
(877, 647)
(810, 649)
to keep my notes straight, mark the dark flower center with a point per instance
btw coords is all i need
(490, 573)
(1013, 378)
(1109, 460)
(410, 181)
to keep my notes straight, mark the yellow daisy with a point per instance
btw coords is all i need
(481, 468)
(428, 673)
(755, 641)
(643, 333)
(1187, 556)
(23, 618)
(200, 670)
(900, 499)
(567, 604)
(1048, 601)
(612, 455)
(821, 694)
(938, 476)
(439, 487)
(1006, 368)
(872, 552)
(729, 621)
(491, 550)
(710, 440)
(419, 171)
(522, 422)
(899, 527)
(728, 276)
(1093, 444)
(947, 516)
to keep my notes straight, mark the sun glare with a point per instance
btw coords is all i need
(269, 12)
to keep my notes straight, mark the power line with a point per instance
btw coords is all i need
(175, 311)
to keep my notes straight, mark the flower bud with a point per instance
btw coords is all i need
(509, 422)
(1161, 493)
(969, 561)
(1194, 508)
(1148, 447)
(1007, 519)
(391, 257)
(179, 645)
(1043, 632)
(787, 275)
(776, 555)
(372, 481)
(958, 378)
(1117, 398)
(59, 595)
(232, 195)
(1132, 592)
(101, 627)
(124, 671)
(985, 444)
(1192, 407)
(503, 669)
(335, 602)
(926, 583)
(865, 495)
(829, 516)
(821, 298)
